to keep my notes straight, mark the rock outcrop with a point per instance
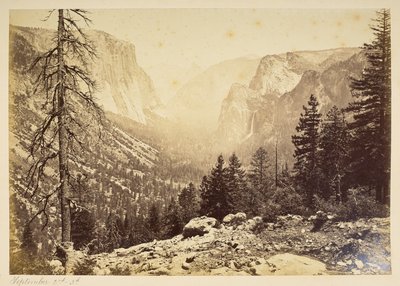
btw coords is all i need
(289, 247)
(199, 226)
(122, 85)
(270, 105)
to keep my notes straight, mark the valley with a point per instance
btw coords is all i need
(270, 164)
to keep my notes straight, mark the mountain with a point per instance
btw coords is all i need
(268, 108)
(169, 78)
(123, 86)
(197, 103)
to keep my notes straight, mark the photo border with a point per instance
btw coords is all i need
(6, 279)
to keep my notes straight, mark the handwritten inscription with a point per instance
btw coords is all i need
(44, 281)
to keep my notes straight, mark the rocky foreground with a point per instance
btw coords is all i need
(292, 246)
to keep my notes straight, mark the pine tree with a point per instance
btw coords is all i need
(140, 232)
(126, 231)
(188, 203)
(214, 192)
(205, 195)
(259, 173)
(28, 246)
(154, 221)
(237, 191)
(259, 179)
(82, 219)
(306, 147)
(113, 236)
(371, 112)
(67, 89)
(333, 154)
(172, 224)
(82, 228)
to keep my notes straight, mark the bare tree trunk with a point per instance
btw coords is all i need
(383, 114)
(276, 164)
(62, 156)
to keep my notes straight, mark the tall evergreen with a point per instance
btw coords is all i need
(371, 111)
(139, 232)
(237, 191)
(205, 195)
(126, 231)
(172, 223)
(333, 154)
(189, 203)
(82, 228)
(214, 192)
(259, 172)
(154, 220)
(28, 245)
(306, 146)
(113, 237)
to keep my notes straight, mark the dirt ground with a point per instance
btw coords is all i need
(291, 246)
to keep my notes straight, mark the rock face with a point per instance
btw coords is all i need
(270, 105)
(199, 226)
(275, 75)
(123, 86)
(236, 119)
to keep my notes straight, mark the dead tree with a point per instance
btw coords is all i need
(70, 110)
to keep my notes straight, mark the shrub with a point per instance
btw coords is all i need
(271, 211)
(84, 267)
(360, 204)
(365, 206)
(28, 264)
(118, 270)
(283, 201)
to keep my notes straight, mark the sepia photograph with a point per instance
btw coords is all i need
(199, 141)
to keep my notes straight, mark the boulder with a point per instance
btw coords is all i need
(185, 266)
(199, 226)
(290, 264)
(288, 220)
(228, 219)
(270, 226)
(240, 218)
(235, 219)
(56, 267)
(159, 271)
(253, 224)
(359, 264)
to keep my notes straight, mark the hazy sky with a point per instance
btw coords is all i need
(184, 37)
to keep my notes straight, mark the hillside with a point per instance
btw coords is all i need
(114, 172)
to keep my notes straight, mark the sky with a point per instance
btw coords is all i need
(203, 37)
